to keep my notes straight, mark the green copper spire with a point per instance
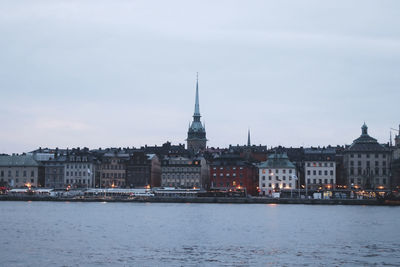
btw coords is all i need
(197, 105)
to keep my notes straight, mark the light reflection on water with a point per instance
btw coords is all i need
(149, 234)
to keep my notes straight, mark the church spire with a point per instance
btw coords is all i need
(197, 105)
(248, 138)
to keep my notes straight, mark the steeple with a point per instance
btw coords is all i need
(248, 138)
(197, 133)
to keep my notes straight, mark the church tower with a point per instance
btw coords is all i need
(196, 139)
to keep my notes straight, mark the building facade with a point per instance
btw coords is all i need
(143, 170)
(367, 163)
(80, 168)
(196, 138)
(112, 169)
(230, 172)
(320, 168)
(277, 173)
(55, 172)
(184, 172)
(21, 171)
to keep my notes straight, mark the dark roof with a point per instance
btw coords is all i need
(18, 160)
(319, 154)
(277, 160)
(366, 143)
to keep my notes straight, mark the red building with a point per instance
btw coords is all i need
(231, 172)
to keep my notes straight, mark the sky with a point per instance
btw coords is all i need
(122, 73)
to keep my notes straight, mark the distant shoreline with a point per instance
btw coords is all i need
(217, 200)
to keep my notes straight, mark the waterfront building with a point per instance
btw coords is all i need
(21, 171)
(395, 181)
(196, 138)
(55, 172)
(320, 168)
(230, 172)
(80, 168)
(184, 172)
(277, 173)
(367, 163)
(143, 170)
(112, 168)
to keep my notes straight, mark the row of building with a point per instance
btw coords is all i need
(366, 164)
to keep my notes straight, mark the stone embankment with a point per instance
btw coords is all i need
(222, 200)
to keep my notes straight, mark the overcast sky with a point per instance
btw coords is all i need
(122, 73)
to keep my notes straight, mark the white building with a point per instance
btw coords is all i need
(276, 173)
(320, 168)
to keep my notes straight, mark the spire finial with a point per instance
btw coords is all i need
(364, 129)
(248, 138)
(197, 105)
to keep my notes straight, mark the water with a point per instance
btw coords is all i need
(144, 234)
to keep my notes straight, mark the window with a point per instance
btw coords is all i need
(359, 155)
(367, 156)
(319, 172)
(320, 181)
(17, 173)
(326, 172)
(351, 171)
(32, 173)
(314, 181)
(351, 163)
(384, 180)
(284, 178)
(331, 181)
(24, 174)
(276, 171)
(269, 178)
(314, 172)
(290, 171)
(284, 171)
(359, 163)
(331, 164)
(326, 164)
(269, 185)
(284, 185)
(351, 155)
(308, 181)
(308, 164)
(331, 172)
(263, 185)
(263, 178)
(2, 174)
(383, 171)
(326, 181)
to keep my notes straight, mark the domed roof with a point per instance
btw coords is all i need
(366, 142)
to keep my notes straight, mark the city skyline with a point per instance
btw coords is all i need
(107, 75)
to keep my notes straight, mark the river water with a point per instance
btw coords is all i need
(158, 234)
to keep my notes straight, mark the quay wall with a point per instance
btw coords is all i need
(225, 200)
